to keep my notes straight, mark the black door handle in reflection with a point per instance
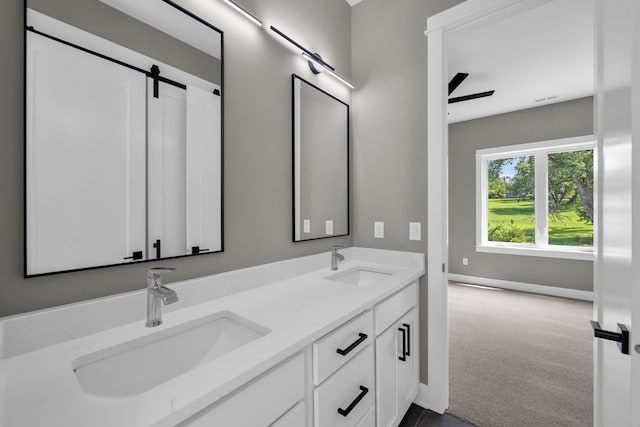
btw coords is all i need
(363, 393)
(135, 255)
(352, 346)
(621, 337)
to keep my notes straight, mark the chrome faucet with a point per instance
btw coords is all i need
(336, 256)
(156, 293)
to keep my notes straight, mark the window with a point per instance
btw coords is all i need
(536, 199)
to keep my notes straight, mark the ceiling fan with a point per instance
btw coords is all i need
(456, 81)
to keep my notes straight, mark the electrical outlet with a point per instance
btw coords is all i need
(414, 231)
(378, 230)
(465, 261)
(306, 226)
(328, 226)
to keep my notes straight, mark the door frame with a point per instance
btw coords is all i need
(439, 27)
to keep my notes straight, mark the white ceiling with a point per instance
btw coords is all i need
(538, 57)
(353, 2)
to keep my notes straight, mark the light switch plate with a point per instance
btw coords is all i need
(306, 226)
(328, 225)
(378, 230)
(414, 231)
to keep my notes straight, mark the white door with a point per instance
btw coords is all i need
(204, 174)
(617, 397)
(167, 172)
(85, 157)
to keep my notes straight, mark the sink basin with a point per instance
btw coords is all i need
(136, 366)
(360, 276)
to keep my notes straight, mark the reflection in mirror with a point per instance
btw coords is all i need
(123, 133)
(321, 163)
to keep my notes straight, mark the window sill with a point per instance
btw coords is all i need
(548, 252)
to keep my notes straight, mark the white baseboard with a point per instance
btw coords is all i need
(524, 287)
(422, 398)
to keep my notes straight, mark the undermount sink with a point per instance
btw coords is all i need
(360, 276)
(136, 366)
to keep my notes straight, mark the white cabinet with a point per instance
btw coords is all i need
(409, 365)
(261, 402)
(295, 417)
(343, 371)
(397, 360)
(346, 397)
(338, 347)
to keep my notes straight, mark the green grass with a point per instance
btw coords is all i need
(564, 229)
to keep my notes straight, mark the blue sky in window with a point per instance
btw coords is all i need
(509, 169)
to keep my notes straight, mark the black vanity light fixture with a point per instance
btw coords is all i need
(250, 16)
(316, 63)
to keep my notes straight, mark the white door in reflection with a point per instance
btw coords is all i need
(85, 159)
(184, 183)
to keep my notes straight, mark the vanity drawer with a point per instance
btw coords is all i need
(341, 345)
(295, 417)
(351, 390)
(369, 420)
(259, 403)
(391, 309)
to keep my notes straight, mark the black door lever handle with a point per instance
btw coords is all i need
(621, 337)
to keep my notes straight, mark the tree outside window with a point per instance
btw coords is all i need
(538, 195)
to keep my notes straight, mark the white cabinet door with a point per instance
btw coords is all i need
(397, 369)
(167, 171)
(387, 378)
(85, 159)
(408, 360)
(260, 403)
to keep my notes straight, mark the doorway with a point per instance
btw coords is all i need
(618, 301)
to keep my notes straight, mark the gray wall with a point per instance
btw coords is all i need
(257, 158)
(389, 65)
(562, 120)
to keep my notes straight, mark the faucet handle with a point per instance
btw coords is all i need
(336, 248)
(157, 271)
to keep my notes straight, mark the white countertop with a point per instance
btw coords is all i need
(39, 387)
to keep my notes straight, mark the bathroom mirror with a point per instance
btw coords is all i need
(123, 141)
(321, 163)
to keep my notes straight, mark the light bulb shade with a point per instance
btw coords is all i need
(315, 68)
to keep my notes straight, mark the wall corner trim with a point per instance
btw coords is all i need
(422, 398)
(523, 287)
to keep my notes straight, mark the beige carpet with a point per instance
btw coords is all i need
(519, 359)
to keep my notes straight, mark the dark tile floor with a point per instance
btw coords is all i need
(417, 416)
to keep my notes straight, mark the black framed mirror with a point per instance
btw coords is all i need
(123, 133)
(321, 178)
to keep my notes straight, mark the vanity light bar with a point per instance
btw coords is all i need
(314, 58)
(328, 70)
(251, 17)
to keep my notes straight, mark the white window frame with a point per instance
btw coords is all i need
(540, 150)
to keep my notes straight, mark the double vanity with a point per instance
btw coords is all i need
(291, 343)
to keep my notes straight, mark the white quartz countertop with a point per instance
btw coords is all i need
(39, 387)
